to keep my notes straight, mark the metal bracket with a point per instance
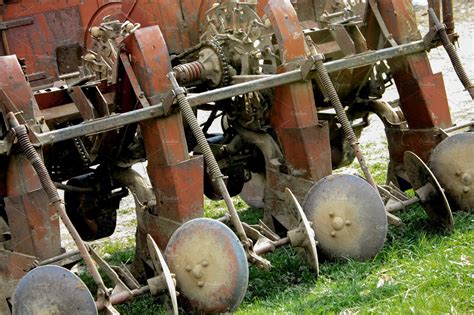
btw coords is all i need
(16, 23)
(380, 21)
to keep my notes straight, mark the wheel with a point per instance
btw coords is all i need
(452, 162)
(348, 216)
(210, 265)
(52, 290)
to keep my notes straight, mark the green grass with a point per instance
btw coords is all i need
(419, 270)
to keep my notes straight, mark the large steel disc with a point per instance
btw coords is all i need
(452, 161)
(253, 191)
(52, 290)
(210, 265)
(348, 217)
(437, 207)
(160, 265)
(310, 247)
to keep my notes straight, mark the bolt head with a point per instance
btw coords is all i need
(200, 284)
(188, 268)
(333, 233)
(331, 213)
(205, 263)
(348, 223)
(466, 189)
(466, 179)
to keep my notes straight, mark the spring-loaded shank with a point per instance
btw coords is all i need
(213, 167)
(30, 152)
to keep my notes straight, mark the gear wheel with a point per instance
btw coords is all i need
(212, 64)
(225, 67)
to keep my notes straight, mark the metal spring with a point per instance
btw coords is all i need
(36, 162)
(328, 86)
(189, 72)
(457, 65)
(189, 117)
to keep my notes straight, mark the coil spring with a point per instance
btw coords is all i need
(188, 115)
(36, 162)
(336, 102)
(189, 72)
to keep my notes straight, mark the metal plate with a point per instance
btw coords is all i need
(452, 162)
(311, 247)
(348, 217)
(253, 191)
(437, 207)
(210, 265)
(52, 290)
(160, 265)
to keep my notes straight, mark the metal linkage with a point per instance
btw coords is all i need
(351, 137)
(452, 53)
(30, 152)
(213, 169)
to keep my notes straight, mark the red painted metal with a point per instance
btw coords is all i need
(26, 201)
(55, 24)
(422, 93)
(294, 115)
(177, 180)
(179, 21)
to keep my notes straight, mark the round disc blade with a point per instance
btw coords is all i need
(452, 161)
(437, 207)
(253, 191)
(52, 290)
(311, 243)
(160, 265)
(348, 217)
(210, 265)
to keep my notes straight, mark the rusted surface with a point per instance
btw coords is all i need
(179, 20)
(422, 93)
(54, 24)
(13, 266)
(177, 181)
(294, 108)
(420, 141)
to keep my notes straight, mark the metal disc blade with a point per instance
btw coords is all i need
(311, 248)
(348, 217)
(210, 265)
(437, 207)
(452, 162)
(160, 265)
(52, 290)
(253, 191)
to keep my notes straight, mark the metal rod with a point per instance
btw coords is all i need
(270, 246)
(401, 204)
(122, 297)
(72, 188)
(448, 16)
(212, 166)
(461, 126)
(57, 258)
(452, 53)
(119, 120)
(55, 201)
